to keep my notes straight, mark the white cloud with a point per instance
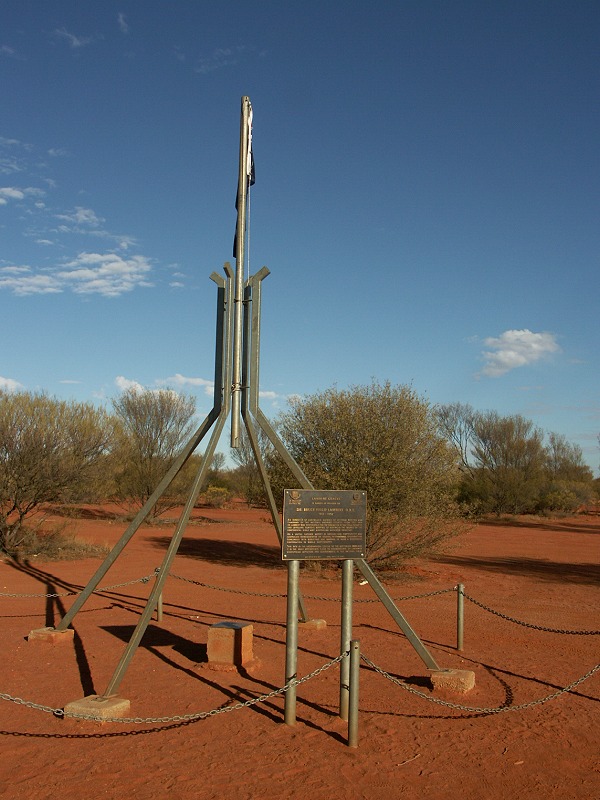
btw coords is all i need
(107, 274)
(22, 282)
(182, 380)
(267, 395)
(75, 41)
(10, 385)
(10, 52)
(516, 348)
(125, 384)
(82, 216)
(221, 57)
(12, 193)
(123, 26)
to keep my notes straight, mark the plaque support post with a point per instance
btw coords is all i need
(346, 636)
(291, 643)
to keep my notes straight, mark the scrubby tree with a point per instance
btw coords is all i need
(50, 451)
(509, 459)
(384, 440)
(508, 467)
(152, 427)
(569, 481)
(247, 476)
(456, 421)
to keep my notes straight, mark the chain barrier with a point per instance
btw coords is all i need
(60, 712)
(306, 596)
(474, 709)
(145, 579)
(528, 624)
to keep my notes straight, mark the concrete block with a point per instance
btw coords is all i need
(312, 625)
(95, 706)
(459, 681)
(230, 644)
(50, 635)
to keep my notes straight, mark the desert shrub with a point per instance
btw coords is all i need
(53, 545)
(151, 428)
(215, 496)
(50, 451)
(384, 440)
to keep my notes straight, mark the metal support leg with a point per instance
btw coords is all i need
(354, 689)
(460, 615)
(346, 636)
(402, 623)
(291, 643)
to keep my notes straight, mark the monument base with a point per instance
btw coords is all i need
(312, 625)
(50, 635)
(459, 681)
(101, 708)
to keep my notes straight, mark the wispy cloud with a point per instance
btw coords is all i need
(9, 52)
(181, 381)
(107, 274)
(516, 348)
(123, 26)
(82, 216)
(10, 385)
(14, 193)
(219, 58)
(126, 384)
(75, 42)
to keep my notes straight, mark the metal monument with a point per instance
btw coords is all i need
(236, 396)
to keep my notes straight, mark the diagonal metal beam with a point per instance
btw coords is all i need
(223, 337)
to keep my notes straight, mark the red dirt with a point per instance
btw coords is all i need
(543, 572)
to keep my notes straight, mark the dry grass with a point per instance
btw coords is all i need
(54, 545)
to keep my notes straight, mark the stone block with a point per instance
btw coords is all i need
(95, 706)
(459, 681)
(312, 625)
(230, 644)
(50, 635)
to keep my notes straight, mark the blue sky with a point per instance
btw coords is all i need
(426, 198)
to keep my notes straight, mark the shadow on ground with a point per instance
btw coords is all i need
(233, 554)
(528, 568)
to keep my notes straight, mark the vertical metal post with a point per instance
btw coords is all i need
(354, 684)
(346, 636)
(291, 642)
(242, 194)
(159, 608)
(460, 615)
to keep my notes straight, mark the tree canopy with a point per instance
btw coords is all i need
(385, 440)
(49, 451)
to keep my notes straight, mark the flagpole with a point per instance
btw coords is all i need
(242, 196)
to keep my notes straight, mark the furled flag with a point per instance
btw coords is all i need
(250, 176)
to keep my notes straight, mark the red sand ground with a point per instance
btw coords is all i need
(541, 572)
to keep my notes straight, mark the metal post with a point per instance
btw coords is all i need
(346, 635)
(460, 615)
(159, 608)
(400, 620)
(242, 194)
(222, 380)
(354, 684)
(291, 642)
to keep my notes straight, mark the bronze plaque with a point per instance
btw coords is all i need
(320, 524)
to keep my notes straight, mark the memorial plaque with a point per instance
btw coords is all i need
(319, 524)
